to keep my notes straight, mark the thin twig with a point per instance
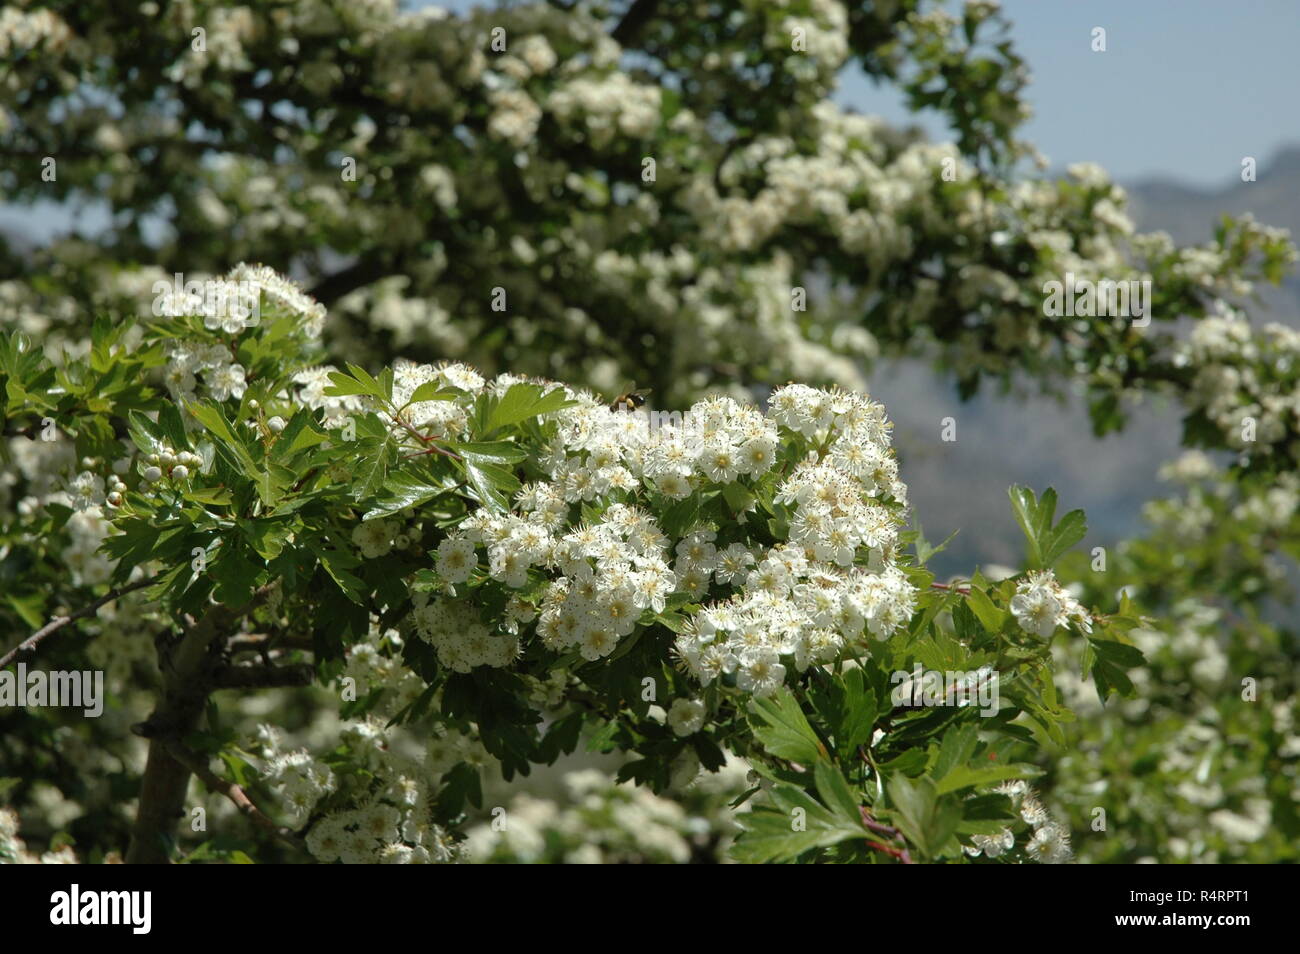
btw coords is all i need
(56, 624)
(963, 590)
(199, 766)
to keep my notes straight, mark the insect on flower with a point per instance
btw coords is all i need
(630, 398)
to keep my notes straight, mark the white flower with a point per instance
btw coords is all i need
(456, 559)
(760, 671)
(373, 538)
(87, 490)
(686, 716)
(226, 381)
(1035, 608)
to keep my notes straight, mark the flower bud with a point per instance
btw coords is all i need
(152, 474)
(180, 472)
(276, 424)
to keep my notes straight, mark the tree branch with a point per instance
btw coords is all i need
(56, 624)
(186, 667)
(637, 16)
(199, 766)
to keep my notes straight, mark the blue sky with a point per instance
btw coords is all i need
(1185, 89)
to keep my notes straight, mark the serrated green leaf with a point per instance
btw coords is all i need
(782, 728)
(1072, 528)
(926, 819)
(796, 825)
(835, 791)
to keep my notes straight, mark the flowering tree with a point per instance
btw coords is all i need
(594, 192)
(512, 565)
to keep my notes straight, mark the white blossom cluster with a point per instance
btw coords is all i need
(1049, 841)
(301, 780)
(803, 601)
(1041, 605)
(1232, 360)
(462, 639)
(608, 107)
(377, 833)
(21, 31)
(806, 601)
(13, 850)
(372, 664)
(602, 822)
(388, 821)
(612, 572)
(222, 375)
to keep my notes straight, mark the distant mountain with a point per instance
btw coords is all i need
(1190, 215)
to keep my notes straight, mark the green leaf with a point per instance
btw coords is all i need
(490, 452)
(371, 385)
(958, 746)
(798, 824)
(1068, 532)
(433, 391)
(1025, 507)
(990, 617)
(965, 776)
(925, 819)
(173, 427)
(523, 401)
(372, 469)
(1046, 543)
(835, 791)
(299, 434)
(235, 575)
(780, 725)
(1109, 662)
(854, 711)
(342, 385)
(493, 486)
(145, 434)
(399, 492)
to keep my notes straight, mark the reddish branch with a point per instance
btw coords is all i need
(888, 831)
(963, 590)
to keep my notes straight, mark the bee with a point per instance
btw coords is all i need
(631, 398)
